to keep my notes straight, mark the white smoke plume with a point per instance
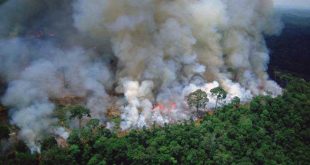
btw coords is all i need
(152, 53)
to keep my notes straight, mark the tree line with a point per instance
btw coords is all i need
(265, 131)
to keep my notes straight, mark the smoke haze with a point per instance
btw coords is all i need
(143, 56)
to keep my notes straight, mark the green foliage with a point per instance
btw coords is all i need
(265, 131)
(18, 154)
(197, 99)
(235, 101)
(23, 158)
(62, 113)
(77, 111)
(56, 155)
(74, 137)
(48, 143)
(97, 160)
(93, 123)
(220, 94)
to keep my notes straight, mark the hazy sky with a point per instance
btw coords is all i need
(301, 4)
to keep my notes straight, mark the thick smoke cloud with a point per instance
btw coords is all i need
(143, 56)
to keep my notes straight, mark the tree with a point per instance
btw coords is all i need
(56, 155)
(79, 112)
(96, 160)
(197, 99)
(220, 94)
(48, 143)
(4, 132)
(266, 131)
(235, 101)
(93, 123)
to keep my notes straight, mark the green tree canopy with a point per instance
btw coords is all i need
(77, 111)
(235, 101)
(197, 99)
(220, 94)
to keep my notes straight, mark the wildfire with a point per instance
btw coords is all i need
(69, 100)
(161, 107)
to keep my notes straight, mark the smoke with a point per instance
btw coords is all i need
(148, 55)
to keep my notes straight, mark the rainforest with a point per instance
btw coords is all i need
(154, 82)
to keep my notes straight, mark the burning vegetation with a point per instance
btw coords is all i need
(131, 63)
(69, 100)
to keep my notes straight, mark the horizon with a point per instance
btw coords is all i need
(288, 5)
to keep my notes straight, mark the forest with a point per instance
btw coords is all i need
(265, 131)
(97, 82)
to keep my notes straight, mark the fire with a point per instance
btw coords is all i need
(173, 105)
(159, 106)
(162, 107)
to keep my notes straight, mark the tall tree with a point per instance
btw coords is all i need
(78, 112)
(235, 101)
(197, 99)
(93, 124)
(220, 94)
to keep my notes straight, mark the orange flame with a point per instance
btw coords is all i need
(159, 106)
(162, 107)
(173, 105)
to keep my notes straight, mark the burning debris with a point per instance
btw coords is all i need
(161, 51)
(113, 112)
(68, 100)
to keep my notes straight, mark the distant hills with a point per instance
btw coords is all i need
(295, 17)
(291, 50)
